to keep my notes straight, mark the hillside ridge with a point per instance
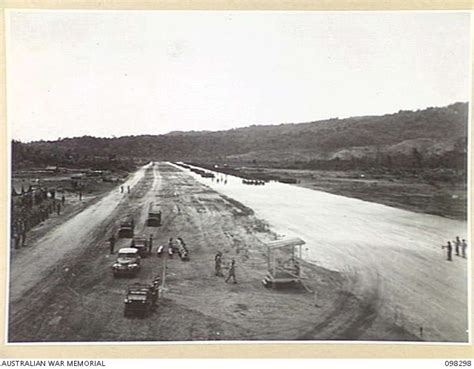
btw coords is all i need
(432, 132)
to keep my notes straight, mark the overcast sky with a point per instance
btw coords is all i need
(129, 73)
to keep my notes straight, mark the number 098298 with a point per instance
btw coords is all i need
(458, 363)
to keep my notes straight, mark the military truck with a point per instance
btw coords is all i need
(141, 299)
(141, 244)
(127, 227)
(154, 216)
(128, 262)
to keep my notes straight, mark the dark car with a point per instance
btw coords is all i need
(141, 244)
(126, 229)
(154, 216)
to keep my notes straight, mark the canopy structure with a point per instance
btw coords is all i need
(286, 242)
(283, 258)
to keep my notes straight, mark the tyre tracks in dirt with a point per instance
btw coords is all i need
(390, 260)
(54, 275)
(79, 300)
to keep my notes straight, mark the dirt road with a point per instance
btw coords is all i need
(30, 265)
(391, 259)
(71, 295)
(63, 288)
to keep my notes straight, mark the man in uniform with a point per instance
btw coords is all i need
(16, 239)
(449, 248)
(457, 244)
(218, 266)
(463, 248)
(112, 244)
(150, 244)
(23, 233)
(231, 272)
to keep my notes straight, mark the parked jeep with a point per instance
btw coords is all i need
(141, 299)
(127, 263)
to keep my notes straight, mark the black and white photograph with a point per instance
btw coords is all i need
(238, 176)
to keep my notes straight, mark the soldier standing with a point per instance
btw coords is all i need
(59, 208)
(112, 244)
(457, 243)
(231, 272)
(128, 189)
(80, 195)
(463, 248)
(63, 200)
(449, 248)
(23, 237)
(23, 233)
(121, 189)
(170, 244)
(218, 266)
(150, 244)
(16, 239)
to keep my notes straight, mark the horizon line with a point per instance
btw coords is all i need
(236, 128)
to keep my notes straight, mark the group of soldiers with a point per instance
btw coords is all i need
(460, 247)
(33, 208)
(218, 268)
(220, 179)
(19, 230)
(122, 189)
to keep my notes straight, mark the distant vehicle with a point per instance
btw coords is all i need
(52, 169)
(95, 173)
(288, 180)
(154, 216)
(141, 244)
(207, 175)
(110, 179)
(127, 263)
(78, 176)
(127, 227)
(141, 299)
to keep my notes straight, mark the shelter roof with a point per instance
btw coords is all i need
(286, 242)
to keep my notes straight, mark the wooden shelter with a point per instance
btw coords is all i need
(283, 262)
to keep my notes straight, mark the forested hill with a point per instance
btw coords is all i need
(432, 135)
